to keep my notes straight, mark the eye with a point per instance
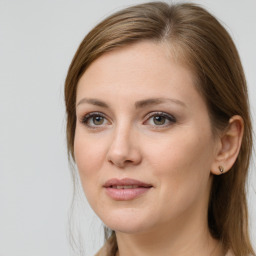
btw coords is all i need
(94, 120)
(160, 119)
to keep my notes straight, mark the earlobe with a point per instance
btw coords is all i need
(221, 169)
(230, 143)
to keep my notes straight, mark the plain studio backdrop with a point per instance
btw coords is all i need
(37, 42)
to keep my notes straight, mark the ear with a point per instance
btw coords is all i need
(228, 146)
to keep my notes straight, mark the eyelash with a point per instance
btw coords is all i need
(87, 117)
(167, 117)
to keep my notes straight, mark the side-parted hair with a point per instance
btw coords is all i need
(198, 40)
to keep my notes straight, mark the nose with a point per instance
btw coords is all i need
(124, 149)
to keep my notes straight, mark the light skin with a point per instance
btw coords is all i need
(167, 143)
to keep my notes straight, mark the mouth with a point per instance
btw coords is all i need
(126, 189)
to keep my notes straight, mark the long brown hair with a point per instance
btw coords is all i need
(200, 41)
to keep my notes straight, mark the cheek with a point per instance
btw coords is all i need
(182, 166)
(88, 156)
(181, 153)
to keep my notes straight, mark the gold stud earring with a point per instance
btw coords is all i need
(221, 168)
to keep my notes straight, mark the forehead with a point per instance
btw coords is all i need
(140, 71)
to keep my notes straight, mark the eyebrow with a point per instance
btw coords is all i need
(138, 104)
(156, 101)
(93, 102)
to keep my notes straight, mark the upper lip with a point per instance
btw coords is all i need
(125, 182)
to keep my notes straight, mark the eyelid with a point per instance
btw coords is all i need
(169, 117)
(84, 119)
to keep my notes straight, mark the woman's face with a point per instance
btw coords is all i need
(143, 141)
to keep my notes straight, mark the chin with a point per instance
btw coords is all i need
(127, 222)
(128, 228)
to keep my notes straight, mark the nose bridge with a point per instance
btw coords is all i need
(123, 148)
(122, 138)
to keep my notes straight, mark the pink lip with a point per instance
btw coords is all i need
(124, 194)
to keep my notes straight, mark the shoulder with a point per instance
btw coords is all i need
(109, 248)
(230, 253)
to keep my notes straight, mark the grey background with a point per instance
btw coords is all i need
(37, 42)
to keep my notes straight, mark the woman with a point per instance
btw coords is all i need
(159, 127)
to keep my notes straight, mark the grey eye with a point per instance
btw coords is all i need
(97, 120)
(94, 119)
(159, 120)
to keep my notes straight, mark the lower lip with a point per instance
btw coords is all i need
(126, 194)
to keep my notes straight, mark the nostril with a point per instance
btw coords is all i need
(122, 155)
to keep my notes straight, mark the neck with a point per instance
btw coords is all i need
(179, 239)
(140, 246)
